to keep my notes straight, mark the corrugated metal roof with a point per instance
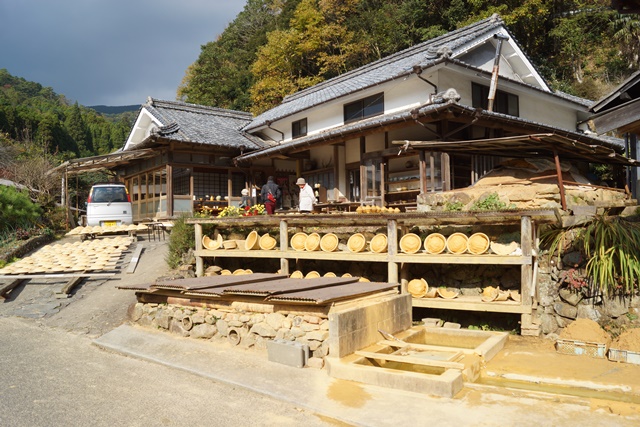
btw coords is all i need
(208, 282)
(285, 286)
(331, 294)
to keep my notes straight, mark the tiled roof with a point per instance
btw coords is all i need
(202, 125)
(389, 68)
(427, 110)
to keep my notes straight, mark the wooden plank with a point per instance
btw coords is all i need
(424, 258)
(10, 286)
(468, 305)
(134, 260)
(443, 348)
(65, 292)
(55, 276)
(410, 359)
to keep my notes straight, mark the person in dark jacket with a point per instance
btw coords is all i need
(270, 193)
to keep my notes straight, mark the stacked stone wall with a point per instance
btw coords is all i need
(243, 328)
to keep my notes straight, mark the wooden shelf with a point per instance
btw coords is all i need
(470, 303)
(391, 193)
(292, 254)
(425, 258)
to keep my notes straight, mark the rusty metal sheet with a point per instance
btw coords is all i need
(331, 294)
(146, 287)
(275, 287)
(215, 281)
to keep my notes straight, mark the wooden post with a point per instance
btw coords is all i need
(526, 269)
(199, 259)
(284, 246)
(392, 250)
(563, 199)
(423, 172)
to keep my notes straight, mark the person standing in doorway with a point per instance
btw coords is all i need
(270, 193)
(307, 197)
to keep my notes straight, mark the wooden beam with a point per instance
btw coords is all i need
(411, 360)
(10, 286)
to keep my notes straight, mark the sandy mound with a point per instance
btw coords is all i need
(585, 330)
(628, 340)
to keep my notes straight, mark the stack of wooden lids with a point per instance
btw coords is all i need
(252, 241)
(378, 243)
(478, 243)
(313, 242)
(267, 242)
(410, 243)
(209, 243)
(417, 288)
(457, 243)
(329, 242)
(298, 240)
(356, 242)
(435, 243)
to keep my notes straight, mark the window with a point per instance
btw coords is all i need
(504, 102)
(367, 107)
(299, 128)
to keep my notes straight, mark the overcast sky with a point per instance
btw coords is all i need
(109, 52)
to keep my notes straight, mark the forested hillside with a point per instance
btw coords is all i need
(33, 114)
(276, 47)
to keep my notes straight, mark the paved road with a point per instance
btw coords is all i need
(54, 378)
(52, 375)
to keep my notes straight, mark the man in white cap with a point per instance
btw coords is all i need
(307, 197)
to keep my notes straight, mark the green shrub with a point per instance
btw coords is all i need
(491, 202)
(181, 240)
(611, 246)
(16, 210)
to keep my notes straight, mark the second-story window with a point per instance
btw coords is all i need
(363, 108)
(503, 102)
(299, 128)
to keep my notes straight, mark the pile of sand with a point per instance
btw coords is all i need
(629, 340)
(585, 330)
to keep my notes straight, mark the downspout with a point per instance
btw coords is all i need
(418, 71)
(268, 123)
(496, 68)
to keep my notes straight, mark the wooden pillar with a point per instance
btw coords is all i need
(169, 190)
(199, 259)
(392, 250)
(423, 172)
(284, 246)
(563, 199)
(526, 237)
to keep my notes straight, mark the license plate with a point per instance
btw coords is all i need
(109, 224)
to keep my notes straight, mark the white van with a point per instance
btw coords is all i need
(109, 205)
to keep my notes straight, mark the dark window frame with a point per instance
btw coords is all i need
(364, 108)
(504, 102)
(299, 128)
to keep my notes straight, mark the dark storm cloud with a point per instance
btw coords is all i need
(110, 52)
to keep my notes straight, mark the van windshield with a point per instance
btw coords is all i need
(109, 195)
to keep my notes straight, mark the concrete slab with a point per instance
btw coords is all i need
(350, 402)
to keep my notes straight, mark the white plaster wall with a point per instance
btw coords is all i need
(374, 142)
(352, 151)
(323, 156)
(285, 165)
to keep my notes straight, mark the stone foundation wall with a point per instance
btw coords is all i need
(564, 296)
(243, 328)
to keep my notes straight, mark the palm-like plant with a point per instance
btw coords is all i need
(611, 245)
